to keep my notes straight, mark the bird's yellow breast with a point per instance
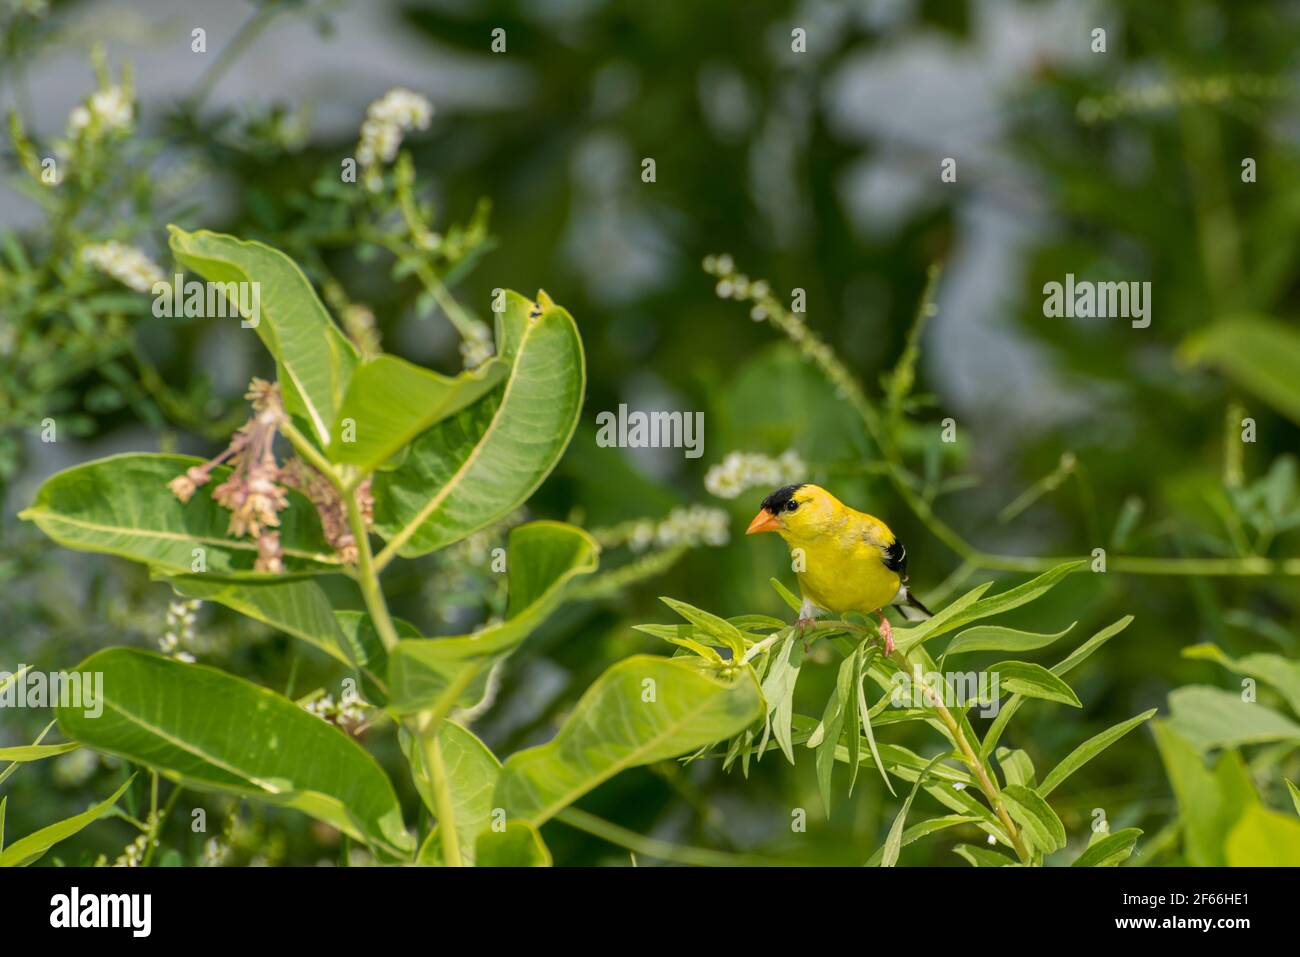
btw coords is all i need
(846, 573)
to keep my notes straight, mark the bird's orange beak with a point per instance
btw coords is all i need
(764, 521)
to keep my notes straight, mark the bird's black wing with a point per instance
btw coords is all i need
(895, 558)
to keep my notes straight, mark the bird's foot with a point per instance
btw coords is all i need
(801, 627)
(887, 634)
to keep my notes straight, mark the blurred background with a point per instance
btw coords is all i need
(816, 170)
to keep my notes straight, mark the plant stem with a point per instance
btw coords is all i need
(441, 794)
(367, 577)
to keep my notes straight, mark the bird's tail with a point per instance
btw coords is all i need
(912, 608)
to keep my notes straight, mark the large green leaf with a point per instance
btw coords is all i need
(212, 731)
(121, 505)
(315, 360)
(1264, 838)
(643, 709)
(1214, 718)
(1037, 820)
(437, 673)
(1261, 355)
(1210, 802)
(471, 771)
(33, 847)
(1089, 750)
(390, 401)
(1282, 673)
(518, 845)
(474, 467)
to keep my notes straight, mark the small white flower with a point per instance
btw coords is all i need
(741, 471)
(107, 110)
(126, 264)
(477, 347)
(395, 113)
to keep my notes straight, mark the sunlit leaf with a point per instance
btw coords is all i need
(32, 848)
(1111, 850)
(1089, 750)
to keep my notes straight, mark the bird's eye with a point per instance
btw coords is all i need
(791, 505)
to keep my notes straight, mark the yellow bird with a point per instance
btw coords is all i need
(849, 560)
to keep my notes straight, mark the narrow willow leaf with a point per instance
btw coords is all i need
(473, 468)
(982, 856)
(997, 638)
(1071, 661)
(214, 732)
(438, 673)
(390, 401)
(1214, 718)
(121, 505)
(1033, 681)
(4, 802)
(1264, 838)
(36, 752)
(1295, 793)
(924, 829)
(757, 622)
(1281, 673)
(867, 730)
(906, 639)
(641, 710)
(1111, 851)
(832, 724)
(722, 631)
(853, 711)
(787, 596)
(519, 845)
(680, 635)
(894, 842)
(471, 771)
(1258, 353)
(1017, 768)
(32, 848)
(1038, 821)
(1089, 750)
(778, 691)
(315, 359)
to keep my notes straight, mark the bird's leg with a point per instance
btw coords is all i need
(886, 632)
(806, 621)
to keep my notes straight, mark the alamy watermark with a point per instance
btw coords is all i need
(956, 689)
(1084, 299)
(208, 300)
(651, 430)
(63, 689)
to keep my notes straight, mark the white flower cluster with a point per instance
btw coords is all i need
(215, 852)
(124, 263)
(74, 769)
(477, 347)
(741, 471)
(107, 110)
(133, 854)
(180, 629)
(396, 112)
(349, 712)
(688, 527)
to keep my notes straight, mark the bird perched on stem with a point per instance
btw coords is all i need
(846, 560)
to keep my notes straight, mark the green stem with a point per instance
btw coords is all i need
(367, 576)
(441, 794)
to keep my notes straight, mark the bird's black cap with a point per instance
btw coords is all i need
(778, 499)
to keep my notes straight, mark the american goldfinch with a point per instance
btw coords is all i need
(848, 560)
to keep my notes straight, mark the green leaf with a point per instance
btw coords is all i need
(519, 845)
(214, 732)
(1039, 822)
(1209, 802)
(1089, 750)
(864, 713)
(643, 709)
(997, 638)
(908, 638)
(724, 633)
(469, 470)
(1264, 838)
(314, 358)
(924, 829)
(1111, 851)
(438, 673)
(31, 848)
(787, 596)
(778, 691)
(982, 856)
(1281, 673)
(1033, 681)
(390, 401)
(121, 505)
(298, 607)
(1259, 354)
(1017, 768)
(1214, 718)
(827, 736)
(894, 842)
(36, 752)
(471, 776)
(1071, 661)
(1295, 793)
